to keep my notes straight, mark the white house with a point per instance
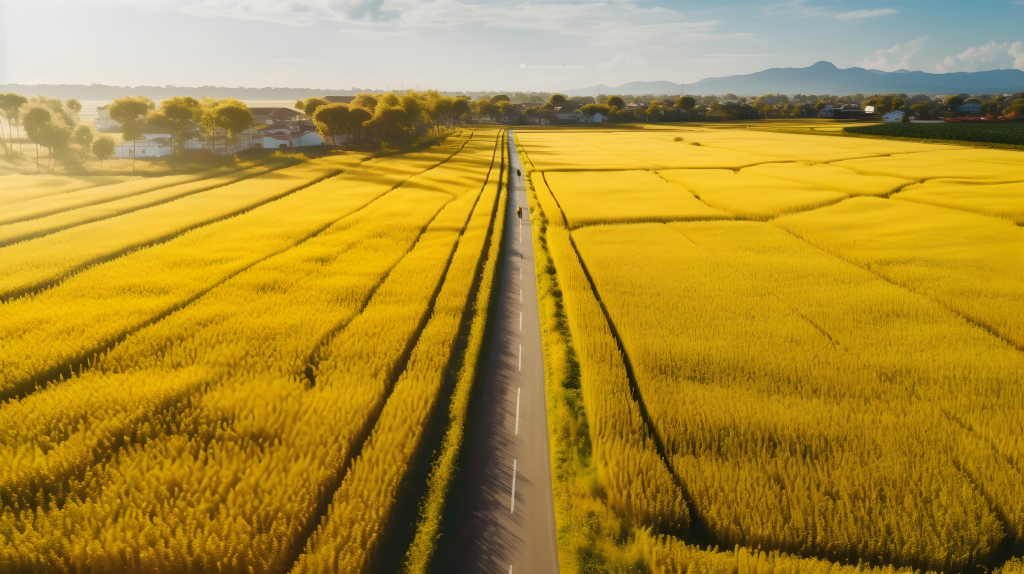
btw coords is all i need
(827, 112)
(869, 109)
(284, 139)
(155, 142)
(893, 117)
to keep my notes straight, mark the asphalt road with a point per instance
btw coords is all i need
(506, 516)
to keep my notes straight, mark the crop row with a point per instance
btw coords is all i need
(225, 450)
(44, 334)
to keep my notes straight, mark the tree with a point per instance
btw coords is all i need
(484, 107)
(335, 119)
(367, 102)
(921, 110)
(10, 109)
(953, 102)
(505, 110)
(310, 105)
(557, 100)
(591, 110)
(820, 105)
(358, 117)
(234, 117)
(729, 96)
(178, 115)
(898, 103)
(83, 138)
(103, 148)
(500, 98)
(131, 112)
(47, 129)
(74, 106)
(616, 101)
(686, 103)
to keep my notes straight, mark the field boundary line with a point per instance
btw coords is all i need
(61, 227)
(699, 532)
(971, 320)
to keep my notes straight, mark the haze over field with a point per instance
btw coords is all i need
(455, 45)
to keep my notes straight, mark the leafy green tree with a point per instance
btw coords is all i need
(10, 109)
(234, 117)
(898, 103)
(358, 117)
(505, 110)
(484, 107)
(367, 102)
(103, 148)
(83, 138)
(335, 118)
(310, 105)
(557, 100)
(47, 129)
(74, 106)
(616, 101)
(500, 98)
(953, 102)
(820, 105)
(131, 113)
(177, 114)
(686, 103)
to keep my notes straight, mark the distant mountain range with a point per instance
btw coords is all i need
(826, 78)
(103, 92)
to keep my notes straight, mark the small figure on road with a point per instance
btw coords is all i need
(519, 173)
(519, 212)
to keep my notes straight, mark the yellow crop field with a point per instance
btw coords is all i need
(111, 205)
(1000, 199)
(19, 188)
(39, 262)
(206, 394)
(587, 198)
(835, 380)
(43, 206)
(751, 196)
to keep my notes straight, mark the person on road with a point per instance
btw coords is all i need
(519, 212)
(519, 173)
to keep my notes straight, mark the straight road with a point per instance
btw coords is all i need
(506, 516)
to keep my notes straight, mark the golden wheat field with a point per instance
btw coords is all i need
(190, 365)
(811, 347)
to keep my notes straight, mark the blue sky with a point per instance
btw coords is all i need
(492, 44)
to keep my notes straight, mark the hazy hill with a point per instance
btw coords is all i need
(103, 92)
(826, 78)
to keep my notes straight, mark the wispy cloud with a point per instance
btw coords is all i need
(986, 56)
(864, 14)
(801, 9)
(895, 58)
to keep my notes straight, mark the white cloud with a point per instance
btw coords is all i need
(800, 9)
(987, 57)
(895, 58)
(863, 14)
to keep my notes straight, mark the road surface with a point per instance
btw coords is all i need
(506, 516)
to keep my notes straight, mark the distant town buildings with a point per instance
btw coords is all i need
(273, 128)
